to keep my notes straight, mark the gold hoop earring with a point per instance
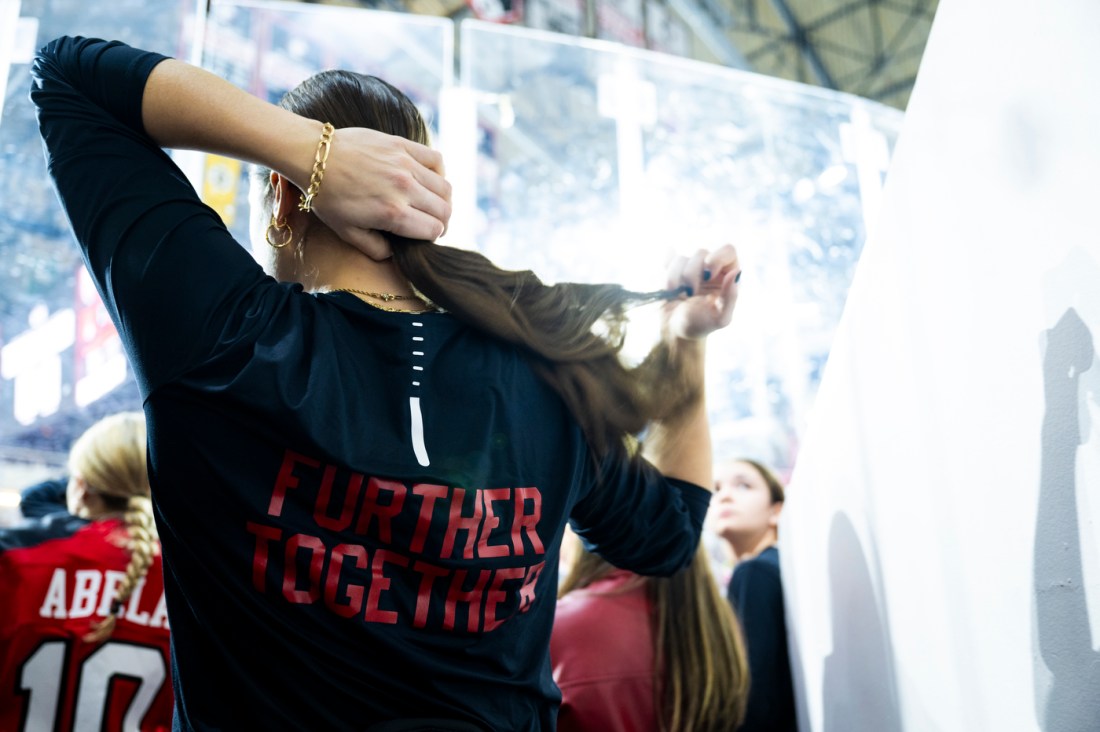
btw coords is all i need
(279, 228)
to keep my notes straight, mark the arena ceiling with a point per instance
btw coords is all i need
(871, 48)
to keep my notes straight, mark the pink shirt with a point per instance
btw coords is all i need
(601, 650)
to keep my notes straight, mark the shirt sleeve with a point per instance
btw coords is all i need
(640, 520)
(167, 269)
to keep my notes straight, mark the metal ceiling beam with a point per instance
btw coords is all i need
(897, 87)
(837, 13)
(802, 41)
(912, 17)
(919, 7)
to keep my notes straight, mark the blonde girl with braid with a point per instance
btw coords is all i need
(109, 478)
(84, 639)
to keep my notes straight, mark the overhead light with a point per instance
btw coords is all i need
(832, 176)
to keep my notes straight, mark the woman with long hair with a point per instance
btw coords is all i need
(748, 500)
(364, 452)
(83, 602)
(638, 654)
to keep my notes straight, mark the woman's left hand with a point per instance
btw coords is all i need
(708, 306)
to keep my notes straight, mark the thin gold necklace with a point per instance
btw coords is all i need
(389, 297)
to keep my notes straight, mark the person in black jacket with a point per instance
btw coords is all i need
(747, 504)
(42, 499)
(364, 453)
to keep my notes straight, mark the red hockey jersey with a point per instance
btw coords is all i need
(58, 575)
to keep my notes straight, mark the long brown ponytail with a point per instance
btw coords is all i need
(572, 333)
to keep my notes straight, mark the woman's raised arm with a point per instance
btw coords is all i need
(679, 446)
(371, 181)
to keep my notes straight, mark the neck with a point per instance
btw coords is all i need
(747, 547)
(368, 276)
(330, 264)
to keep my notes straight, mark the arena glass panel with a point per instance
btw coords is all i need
(61, 363)
(66, 367)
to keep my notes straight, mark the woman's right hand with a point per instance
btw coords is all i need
(379, 182)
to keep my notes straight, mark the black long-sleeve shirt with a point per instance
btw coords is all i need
(360, 511)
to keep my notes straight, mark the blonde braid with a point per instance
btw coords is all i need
(143, 547)
(109, 459)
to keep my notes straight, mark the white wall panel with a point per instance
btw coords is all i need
(940, 541)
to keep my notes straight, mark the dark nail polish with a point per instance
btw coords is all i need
(688, 291)
(737, 278)
(706, 275)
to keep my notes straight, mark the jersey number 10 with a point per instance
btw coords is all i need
(43, 675)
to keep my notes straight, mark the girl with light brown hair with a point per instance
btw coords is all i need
(639, 654)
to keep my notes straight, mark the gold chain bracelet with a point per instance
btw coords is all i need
(319, 160)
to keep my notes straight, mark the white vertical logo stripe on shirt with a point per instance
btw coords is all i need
(419, 448)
